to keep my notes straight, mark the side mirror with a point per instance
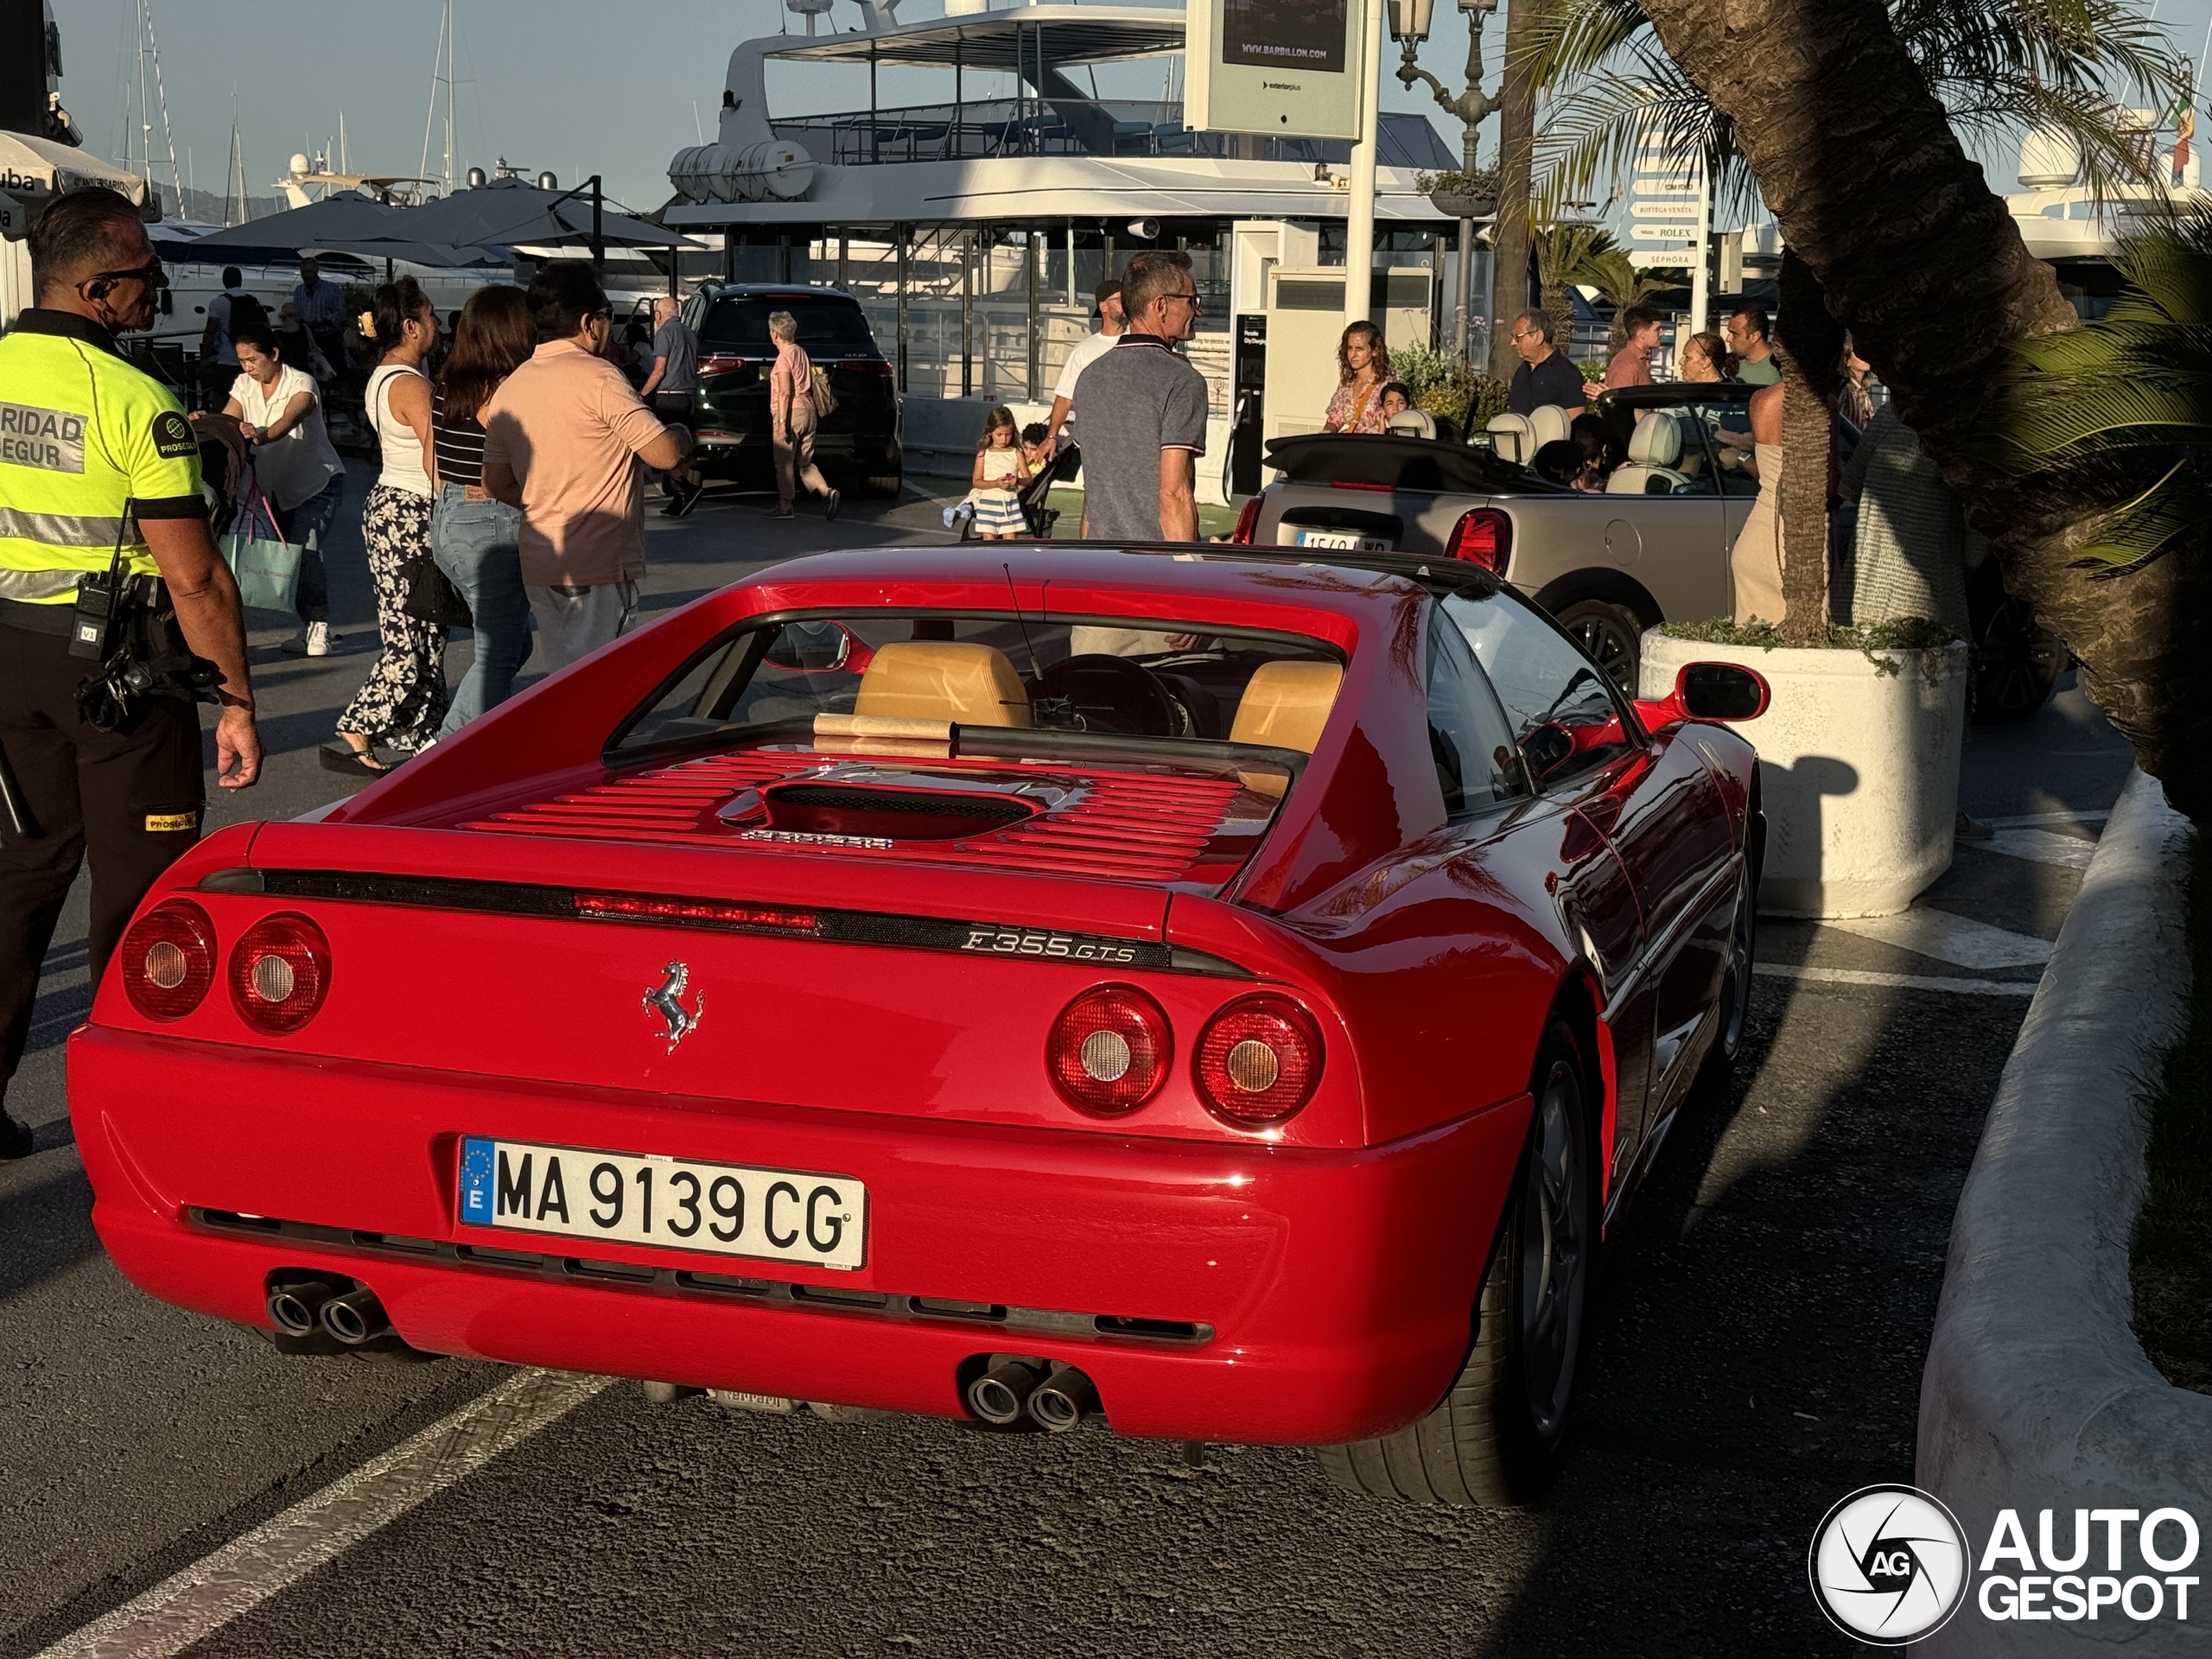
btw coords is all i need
(813, 648)
(1710, 691)
(1721, 691)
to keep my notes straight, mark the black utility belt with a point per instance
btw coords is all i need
(57, 620)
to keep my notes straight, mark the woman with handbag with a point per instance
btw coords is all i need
(792, 414)
(401, 701)
(473, 537)
(279, 412)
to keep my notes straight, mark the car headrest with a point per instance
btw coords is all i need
(1513, 438)
(1551, 424)
(942, 680)
(1414, 423)
(1286, 704)
(1658, 440)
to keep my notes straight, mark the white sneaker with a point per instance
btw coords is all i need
(318, 639)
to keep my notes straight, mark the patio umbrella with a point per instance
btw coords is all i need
(348, 222)
(36, 169)
(512, 212)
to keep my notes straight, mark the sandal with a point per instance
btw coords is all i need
(342, 756)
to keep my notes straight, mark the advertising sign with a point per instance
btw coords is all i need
(1292, 67)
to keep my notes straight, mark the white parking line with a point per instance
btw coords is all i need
(1959, 940)
(238, 1577)
(1896, 982)
(2036, 820)
(2042, 847)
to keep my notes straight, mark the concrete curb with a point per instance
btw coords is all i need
(2036, 1394)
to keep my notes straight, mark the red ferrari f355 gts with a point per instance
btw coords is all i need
(1218, 992)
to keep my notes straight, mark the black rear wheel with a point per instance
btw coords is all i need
(1495, 1441)
(2016, 663)
(1611, 636)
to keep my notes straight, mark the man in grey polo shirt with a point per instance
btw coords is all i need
(1140, 465)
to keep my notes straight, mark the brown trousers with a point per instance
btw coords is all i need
(794, 455)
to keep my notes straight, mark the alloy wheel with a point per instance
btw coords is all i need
(1554, 1251)
(1607, 644)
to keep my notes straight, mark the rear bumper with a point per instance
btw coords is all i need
(1331, 1290)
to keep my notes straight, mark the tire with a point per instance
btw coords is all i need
(1611, 635)
(884, 487)
(2016, 663)
(1720, 1065)
(1495, 1441)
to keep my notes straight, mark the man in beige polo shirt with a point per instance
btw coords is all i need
(564, 438)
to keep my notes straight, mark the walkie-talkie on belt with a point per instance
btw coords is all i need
(92, 629)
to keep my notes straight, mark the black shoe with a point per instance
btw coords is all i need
(689, 498)
(15, 1139)
(830, 513)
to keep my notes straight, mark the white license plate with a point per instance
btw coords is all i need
(774, 1215)
(1344, 539)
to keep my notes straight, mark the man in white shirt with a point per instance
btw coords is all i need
(1087, 351)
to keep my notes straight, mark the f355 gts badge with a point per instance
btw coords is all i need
(666, 1000)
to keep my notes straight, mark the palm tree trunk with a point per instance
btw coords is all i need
(1810, 348)
(1560, 310)
(1517, 167)
(1872, 188)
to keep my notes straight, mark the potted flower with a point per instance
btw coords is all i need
(1859, 755)
(1461, 195)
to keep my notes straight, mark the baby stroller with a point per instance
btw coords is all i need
(1031, 496)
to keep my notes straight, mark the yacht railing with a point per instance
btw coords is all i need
(1067, 126)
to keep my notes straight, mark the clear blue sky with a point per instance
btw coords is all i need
(549, 83)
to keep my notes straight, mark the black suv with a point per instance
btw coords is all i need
(857, 446)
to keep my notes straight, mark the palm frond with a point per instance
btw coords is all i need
(2127, 394)
(1574, 38)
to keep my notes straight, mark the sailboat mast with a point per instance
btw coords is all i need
(160, 92)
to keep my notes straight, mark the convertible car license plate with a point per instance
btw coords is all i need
(776, 1215)
(1344, 540)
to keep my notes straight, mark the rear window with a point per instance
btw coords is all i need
(824, 324)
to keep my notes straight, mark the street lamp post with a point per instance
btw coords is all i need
(1359, 215)
(1409, 24)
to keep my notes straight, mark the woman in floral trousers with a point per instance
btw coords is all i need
(400, 703)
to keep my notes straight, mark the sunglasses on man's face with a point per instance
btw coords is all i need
(151, 273)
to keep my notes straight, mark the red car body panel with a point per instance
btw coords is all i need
(1309, 1282)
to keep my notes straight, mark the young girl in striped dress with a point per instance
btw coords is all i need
(1001, 470)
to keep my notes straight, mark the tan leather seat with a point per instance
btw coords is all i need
(1286, 704)
(942, 680)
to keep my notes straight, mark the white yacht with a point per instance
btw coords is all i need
(973, 229)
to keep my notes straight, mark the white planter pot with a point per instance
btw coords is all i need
(1859, 769)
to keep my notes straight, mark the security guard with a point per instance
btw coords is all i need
(99, 469)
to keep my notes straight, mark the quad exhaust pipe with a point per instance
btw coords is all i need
(1055, 1398)
(296, 1308)
(309, 1308)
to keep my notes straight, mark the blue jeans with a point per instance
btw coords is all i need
(473, 543)
(309, 523)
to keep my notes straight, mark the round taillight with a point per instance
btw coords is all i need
(280, 972)
(1259, 1059)
(167, 959)
(1109, 1050)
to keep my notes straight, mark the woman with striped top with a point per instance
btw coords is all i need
(472, 536)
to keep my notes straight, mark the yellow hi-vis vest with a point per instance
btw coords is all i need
(82, 433)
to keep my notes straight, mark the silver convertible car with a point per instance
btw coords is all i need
(1652, 547)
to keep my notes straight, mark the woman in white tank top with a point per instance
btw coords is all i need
(400, 704)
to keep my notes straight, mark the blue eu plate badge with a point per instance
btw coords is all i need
(476, 1181)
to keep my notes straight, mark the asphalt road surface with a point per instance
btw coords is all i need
(170, 1485)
